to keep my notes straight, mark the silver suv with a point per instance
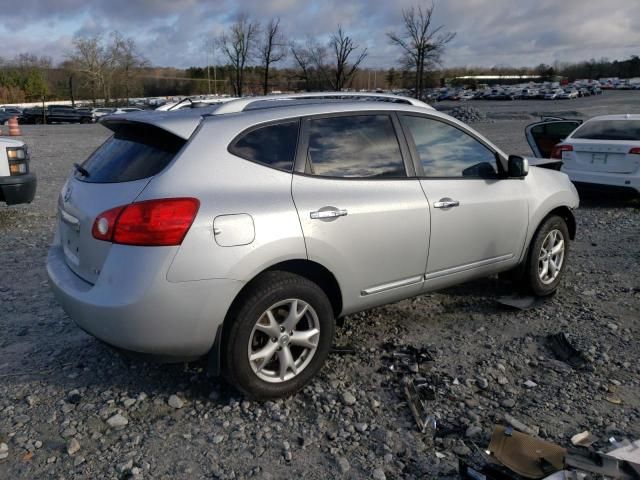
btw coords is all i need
(242, 231)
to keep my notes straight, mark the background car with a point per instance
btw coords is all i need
(568, 94)
(121, 110)
(5, 117)
(101, 112)
(554, 94)
(57, 114)
(603, 152)
(8, 112)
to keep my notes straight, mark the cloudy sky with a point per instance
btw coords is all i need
(489, 32)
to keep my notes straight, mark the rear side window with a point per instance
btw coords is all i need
(609, 130)
(273, 145)
(134, 152)
(359, 146)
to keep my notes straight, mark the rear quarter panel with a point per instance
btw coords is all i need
(229, 185)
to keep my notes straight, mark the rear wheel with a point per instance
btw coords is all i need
(547, 256)
(280, 336)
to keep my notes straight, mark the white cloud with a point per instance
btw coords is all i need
(489, 32)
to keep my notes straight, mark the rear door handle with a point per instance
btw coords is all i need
(446, 203)
(333, 213)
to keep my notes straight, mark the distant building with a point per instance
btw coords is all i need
(491, 79)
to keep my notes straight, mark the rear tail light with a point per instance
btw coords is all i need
(150, 223)
(635, 151)
(559, 149)
(104, 224)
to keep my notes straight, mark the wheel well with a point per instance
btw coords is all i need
(305, 268)
(318, 275)
(568, 217)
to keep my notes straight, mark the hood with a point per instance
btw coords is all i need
(10, 142)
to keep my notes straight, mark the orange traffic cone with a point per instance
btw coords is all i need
(14, 128)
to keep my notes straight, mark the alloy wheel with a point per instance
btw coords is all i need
(284, 340)
(551, 257)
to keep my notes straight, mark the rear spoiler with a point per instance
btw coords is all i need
(181, 123)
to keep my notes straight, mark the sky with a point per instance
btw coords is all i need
(175, 33)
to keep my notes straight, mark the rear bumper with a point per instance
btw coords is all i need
(18, 189)
(621, 181)
(133, 307)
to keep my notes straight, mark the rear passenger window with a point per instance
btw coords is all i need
(274, 145)
(359, 146)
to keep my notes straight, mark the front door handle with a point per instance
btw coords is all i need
(333, 213)
(446, 203)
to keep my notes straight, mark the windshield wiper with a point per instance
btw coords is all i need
(81, 170)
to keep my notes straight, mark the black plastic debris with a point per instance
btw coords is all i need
(407, 359)
(485, 472)
(480, 466)
(343, 350)
(521, 302)
(564, 351)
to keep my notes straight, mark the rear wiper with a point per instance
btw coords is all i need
(81, 170)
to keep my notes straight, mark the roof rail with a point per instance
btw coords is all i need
(236, 106)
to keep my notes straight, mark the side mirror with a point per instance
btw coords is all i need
(518, 167)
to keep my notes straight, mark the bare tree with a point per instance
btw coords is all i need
(422, 44)
(342, 71)
(128, 61)
(238, 44)
(272, 49)
(95, 61)
(302, 57)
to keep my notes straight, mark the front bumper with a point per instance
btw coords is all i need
(132, 306)
(620, 181)
(18, 189)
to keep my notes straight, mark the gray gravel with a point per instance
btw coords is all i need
(70, 407)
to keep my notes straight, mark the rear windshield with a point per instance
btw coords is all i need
(609, 130)
(134, 152)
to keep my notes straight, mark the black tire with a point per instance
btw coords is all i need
(268, 290)
(532, 269)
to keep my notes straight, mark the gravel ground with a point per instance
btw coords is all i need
(71, 407)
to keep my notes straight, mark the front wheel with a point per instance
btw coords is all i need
(279, 337)
(547, 256)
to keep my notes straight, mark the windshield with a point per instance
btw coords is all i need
(609, 130)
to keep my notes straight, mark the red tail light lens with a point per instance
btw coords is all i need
(150, 223)
(635, 151)
(558, 149)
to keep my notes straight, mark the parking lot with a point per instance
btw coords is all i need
(352, 421)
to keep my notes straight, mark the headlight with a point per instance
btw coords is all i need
(18, 160)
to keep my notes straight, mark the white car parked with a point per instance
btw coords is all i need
(601, 152)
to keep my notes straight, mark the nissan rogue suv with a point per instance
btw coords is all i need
(242, 231)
